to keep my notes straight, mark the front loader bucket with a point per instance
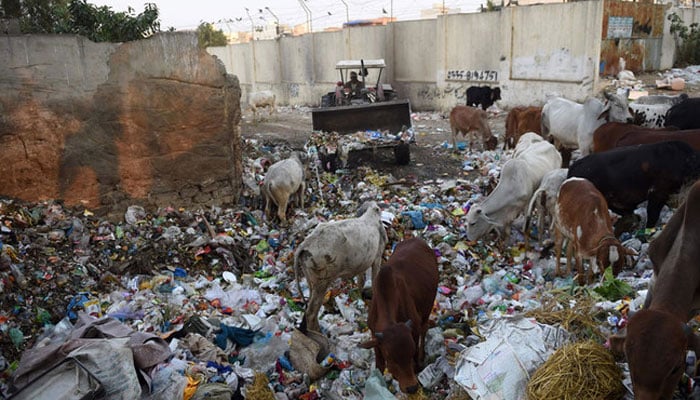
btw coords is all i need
(384, 116)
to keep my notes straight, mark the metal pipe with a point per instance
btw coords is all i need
(277, 20)
(308, 15)
(347, 11)
(252, 47)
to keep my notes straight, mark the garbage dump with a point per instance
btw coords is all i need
(202, 303)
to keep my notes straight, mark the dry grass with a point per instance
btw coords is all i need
(584, 370)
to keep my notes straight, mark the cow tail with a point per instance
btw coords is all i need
(544, 127)
(528, 214)
(300, 253)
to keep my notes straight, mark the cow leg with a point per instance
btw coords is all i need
(421, 346)
(581, 270)
(379, 360)
(558, 242)
(570, 250)
(302, 190)
(282, 208)
(314, 306)
(541, 217)
(454, 139)
(654, 206)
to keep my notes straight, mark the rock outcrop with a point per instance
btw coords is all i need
(152, 122)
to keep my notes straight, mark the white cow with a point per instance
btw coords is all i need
(520, 176)
(339, 249)
(572, 124)
(282, 180)
(545, 197)
(650, 111)
(262, 99)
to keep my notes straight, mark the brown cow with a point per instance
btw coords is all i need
(657, 336)
(519, 121)
(608, 135)
(582, 217)
(468, 120)
(403, 296)
(692, 137)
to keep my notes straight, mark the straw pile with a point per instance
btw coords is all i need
(577, 371)
(573, 313)
(259, 390)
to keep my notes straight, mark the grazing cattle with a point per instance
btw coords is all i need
(403, 296)
(627, 176)
(582, 217)
(282, 180)
(572, 124)
(519, 121)
(482, 95)
(520, 176)
(262, 99)
(650, 111)
(339, 249)
(657, 336)
(685, 115)
(608, 135)
(469, 120)
(546, 196)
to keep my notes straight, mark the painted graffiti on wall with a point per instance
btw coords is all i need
(293, 90)
(431, 92)
(472, 75)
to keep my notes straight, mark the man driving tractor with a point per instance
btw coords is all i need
(353, 86)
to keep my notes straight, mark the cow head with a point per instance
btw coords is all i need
(616, 109)
(495, 94)
(491, 143)
(612, 253)
(655, 347)
(397, 349)
(479, 224)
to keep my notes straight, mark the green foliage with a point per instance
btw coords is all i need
(491, 6)
(99, 24)
(687, 41)
(208, 36)
(613, 289)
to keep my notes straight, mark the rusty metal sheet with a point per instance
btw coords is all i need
(648, 18)
(632, 50)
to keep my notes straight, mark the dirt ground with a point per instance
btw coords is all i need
(430, 159)
(292, 126)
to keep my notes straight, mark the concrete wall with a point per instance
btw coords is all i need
(433, 62)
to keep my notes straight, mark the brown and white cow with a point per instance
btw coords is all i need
(469, 120)
(403, 294)
(657, 336)
(582, 217)
(339, 249)
(519, 121)
(545, 198)
(284, 179)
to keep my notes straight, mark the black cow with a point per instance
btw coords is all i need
(628, 176)
(484, 96)
(685, 115)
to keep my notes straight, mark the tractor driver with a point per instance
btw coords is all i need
(354, 85)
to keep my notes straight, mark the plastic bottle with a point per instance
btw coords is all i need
(328, 361)
(690, 360)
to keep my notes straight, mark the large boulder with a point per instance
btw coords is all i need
(152, 122)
